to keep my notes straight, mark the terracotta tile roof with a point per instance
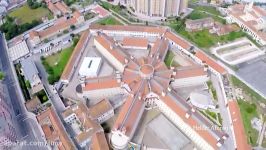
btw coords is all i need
(90, 127)
(111, 47)
(171, 36)
(101, 84)
(57, 27)
(254, 15)
(206, 130)
(99, 142)
(210, 62)
(33, 34)
(159, 48)
(100, 10)
(77, 14)
(62, 7)
(239, 131)
(190, 71)
(53, 8)
(100, 108)
(132, 28)
(53, 129)
(75, 56)
(135, 42)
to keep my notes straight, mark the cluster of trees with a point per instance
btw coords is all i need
(2, 75)
(11, 29)
(22, 83)
(69, 2)
(33, 4)
(52, 78)
(42, 96)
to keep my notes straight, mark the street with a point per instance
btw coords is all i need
(27, 129)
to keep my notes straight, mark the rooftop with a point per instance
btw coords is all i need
(100, 108)
(53, 129)
(135, 42)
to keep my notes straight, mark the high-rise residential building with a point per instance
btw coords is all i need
(157, 8)
(7, 130)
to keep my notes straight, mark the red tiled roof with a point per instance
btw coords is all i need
(210, 62)
(110, 46)
(135, 42)
(190, 71)
(75, 56)
(99, 142)
(131, 28)
(171, 36)
(101, 84)
(100, 10)
(48, 120)
(62, 7)
(239, 131)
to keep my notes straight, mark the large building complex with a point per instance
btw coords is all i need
(85, 130)
(147, 83)
(251, 19)
(54, 131)
(157, 8)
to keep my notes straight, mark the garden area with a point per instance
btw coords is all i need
(249, 108)
(42, 96)
(55, 63)
(25, 14)
(109, 21)
(169, 62)
(212, 90)
(248, 111)
(22, 82)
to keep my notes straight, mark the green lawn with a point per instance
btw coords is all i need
(249, 111)
(25, 14)
(208, 9)
(249, 108)
(168, 58)
(109, 21)
(59, 60)
(203, 38)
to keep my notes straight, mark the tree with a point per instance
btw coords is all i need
(72, 27)
(28, 84)
(2, 75)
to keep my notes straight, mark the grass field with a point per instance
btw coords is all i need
(109, 21)
(249, 111)
(25, 14)
(59, 60)
(249, 108)
(169, 62)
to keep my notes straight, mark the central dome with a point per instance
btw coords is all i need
(146, 70)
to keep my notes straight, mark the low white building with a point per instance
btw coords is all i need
(90, 67)
(31, 75)
(18, 50)
(201, 101)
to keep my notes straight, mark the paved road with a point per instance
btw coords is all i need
(27, 125)
(229, 143)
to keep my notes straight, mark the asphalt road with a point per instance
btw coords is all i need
(27, 127)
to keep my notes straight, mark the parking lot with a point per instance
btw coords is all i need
(254, 73)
